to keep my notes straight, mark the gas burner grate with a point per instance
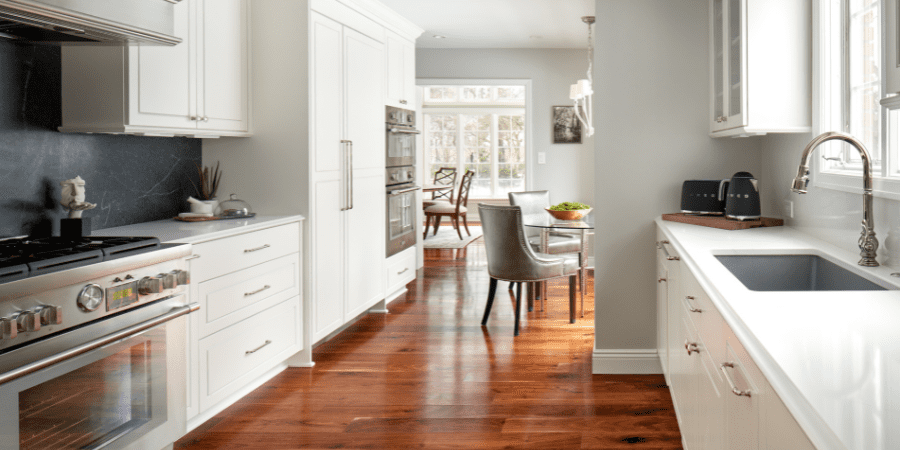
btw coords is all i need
(22, 257)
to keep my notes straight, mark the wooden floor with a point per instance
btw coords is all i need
(428, 375)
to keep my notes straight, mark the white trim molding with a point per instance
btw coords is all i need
(629, 361)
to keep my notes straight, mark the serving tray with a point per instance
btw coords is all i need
(721, 222)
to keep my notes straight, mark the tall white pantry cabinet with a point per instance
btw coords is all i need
(320, 81)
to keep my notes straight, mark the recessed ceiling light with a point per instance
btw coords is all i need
(437, 36)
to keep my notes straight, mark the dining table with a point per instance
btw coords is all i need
(549, 225)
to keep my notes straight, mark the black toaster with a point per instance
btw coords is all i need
(702, 197)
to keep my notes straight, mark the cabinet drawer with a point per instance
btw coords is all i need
(236, 355)
(237, 252)
(230, 298)
(401, 269)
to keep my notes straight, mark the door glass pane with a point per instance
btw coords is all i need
(735, 68)
(719, 64)
(477, 152)
(441, 148)
(100, 402)
(510, 154)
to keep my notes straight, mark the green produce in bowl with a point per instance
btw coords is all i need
(569, 206)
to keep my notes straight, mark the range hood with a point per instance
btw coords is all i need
(89, 22)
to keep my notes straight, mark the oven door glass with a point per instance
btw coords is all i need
(401, 149)
(120, 393)
(401, 222)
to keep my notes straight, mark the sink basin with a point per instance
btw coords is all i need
(794, 273)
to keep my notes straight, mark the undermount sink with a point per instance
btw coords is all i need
(794, 273)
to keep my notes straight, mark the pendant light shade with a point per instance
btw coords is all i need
(582, 91)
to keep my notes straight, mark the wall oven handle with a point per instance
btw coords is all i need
(401, 130)
(403, 191)
(93, 345)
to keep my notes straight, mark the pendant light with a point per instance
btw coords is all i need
(582, 92)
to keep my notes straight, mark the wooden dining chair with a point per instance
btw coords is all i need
(445, 176)
(455, 212)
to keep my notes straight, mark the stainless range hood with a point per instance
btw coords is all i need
(89, 22)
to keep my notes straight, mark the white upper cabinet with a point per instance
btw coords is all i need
(401, 71)
(198, 88)
(759, 67)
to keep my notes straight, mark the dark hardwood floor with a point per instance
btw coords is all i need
(428, 375)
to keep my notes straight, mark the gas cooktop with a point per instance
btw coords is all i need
(23, 257)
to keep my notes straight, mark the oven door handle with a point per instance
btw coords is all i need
(403, 191)
(93, 345)
(401, 130)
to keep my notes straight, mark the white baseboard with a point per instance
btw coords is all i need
(626, 361)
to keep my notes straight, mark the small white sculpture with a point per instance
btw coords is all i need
(73, 197)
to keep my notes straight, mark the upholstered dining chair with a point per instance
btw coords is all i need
(455, 212)
(511, 258)
(445, 176)
(533, 205)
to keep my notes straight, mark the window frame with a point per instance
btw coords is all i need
(460, 82)
(829, 117)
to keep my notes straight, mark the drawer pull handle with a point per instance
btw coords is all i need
(734, 389)
(691, 347)
(191, 257)
(687, 299)
(250, 352)
(673, 258)
(251, 250)
(247, 294)
(661, 280)
(402, 271)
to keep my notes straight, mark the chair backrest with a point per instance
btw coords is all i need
(509, 255)
(532, 204)
(443, 177)
(462, 198)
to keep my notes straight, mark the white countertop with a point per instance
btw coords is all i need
(832, 357)
(196, 232)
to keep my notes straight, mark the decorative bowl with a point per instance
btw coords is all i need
(576, 214)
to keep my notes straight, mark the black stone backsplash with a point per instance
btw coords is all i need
(132, 179)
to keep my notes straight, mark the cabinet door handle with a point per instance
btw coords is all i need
(402, 271)
(691, 347)
(250, 352)
(247, 294)
(402, 102)
(659, 244)
(734, 390)
(191, 257)
(661, 280)
(687, 300)
(251, 250)
(673, 258)
(348, 168)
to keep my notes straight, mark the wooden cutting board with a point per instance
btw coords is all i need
(722, 222)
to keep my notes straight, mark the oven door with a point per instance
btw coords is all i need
(401, 218)
(125, 389)
(401, 147)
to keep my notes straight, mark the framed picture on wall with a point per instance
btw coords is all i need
(566, 127)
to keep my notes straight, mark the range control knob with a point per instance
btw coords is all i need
(8, 329)
(51, 315)
(28, 321)
(150, 285)
(393, 116)
(409, 175)
(182, 277)
(90, 298)
(393, 177)
(169, 280)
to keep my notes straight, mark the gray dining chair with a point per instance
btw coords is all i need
(534, 204)
(511, 258)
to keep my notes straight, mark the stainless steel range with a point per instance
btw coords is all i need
(400, 179)
(92, 339)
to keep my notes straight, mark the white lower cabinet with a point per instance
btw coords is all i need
(721, 398)
(251, 314)
(401, 269)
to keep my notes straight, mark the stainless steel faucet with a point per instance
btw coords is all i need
(868, 244)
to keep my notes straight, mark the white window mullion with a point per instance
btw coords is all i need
(460, 148)
(495, 172)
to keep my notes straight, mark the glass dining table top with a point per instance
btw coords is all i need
(547, 221)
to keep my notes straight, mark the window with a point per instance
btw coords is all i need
(478, 128)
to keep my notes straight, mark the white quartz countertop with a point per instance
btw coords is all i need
(832, 357)
(197, 232)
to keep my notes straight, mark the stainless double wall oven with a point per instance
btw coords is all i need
(400, 179)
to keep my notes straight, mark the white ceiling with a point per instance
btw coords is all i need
(498, 23)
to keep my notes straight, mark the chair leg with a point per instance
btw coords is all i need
(466, 224)
(427, 223)
(518, 308)
(458, 228)
(437, 223)
(512, 284)
(487, 309)
(572, 287)
(583, 276)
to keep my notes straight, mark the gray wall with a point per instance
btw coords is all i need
(652, 114)
(131, 179)
(567, 173)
